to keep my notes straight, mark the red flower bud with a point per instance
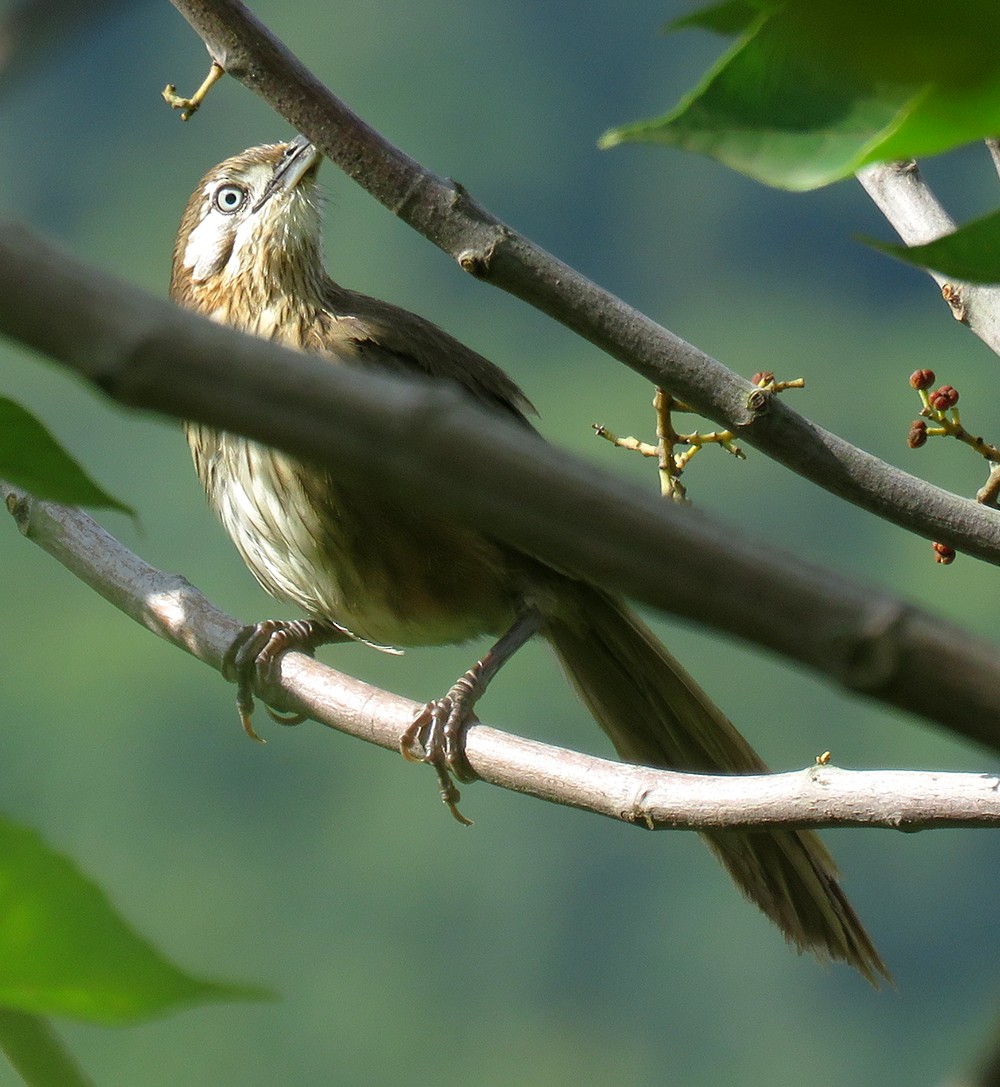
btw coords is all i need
(922, 379)
(765, 377)
(944, 398)
(918, 434)
(943, 553)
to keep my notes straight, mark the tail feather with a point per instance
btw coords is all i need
(656, 715)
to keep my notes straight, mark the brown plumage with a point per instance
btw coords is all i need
(248, 254)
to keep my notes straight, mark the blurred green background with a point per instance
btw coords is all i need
(541, 946)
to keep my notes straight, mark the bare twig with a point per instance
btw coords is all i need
(671, 464)
(819, 796)
(666, 439)
(189, 106)
(486, 247)
(988, 492)
(399, 437)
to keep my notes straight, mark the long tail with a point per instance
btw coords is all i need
(656, 715)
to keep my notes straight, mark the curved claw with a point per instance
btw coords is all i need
(435, 737)
(253, 660)
(287, 719)
(450, 795)
(244, 707)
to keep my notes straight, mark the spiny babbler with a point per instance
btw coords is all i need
(248, 254)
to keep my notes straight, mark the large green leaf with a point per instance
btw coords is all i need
(31, 458)
(64, 950)
(972, 252)
(812, 90)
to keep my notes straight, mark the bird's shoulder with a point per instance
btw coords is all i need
(388, 336)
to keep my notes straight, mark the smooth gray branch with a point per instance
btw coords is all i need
(399, 438)
(820, 796)
(484, 246)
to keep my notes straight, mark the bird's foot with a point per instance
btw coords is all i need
(253, 661)
(437, 737)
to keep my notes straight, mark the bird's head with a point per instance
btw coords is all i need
(251, 230)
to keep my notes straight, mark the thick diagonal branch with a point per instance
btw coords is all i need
(424, 444)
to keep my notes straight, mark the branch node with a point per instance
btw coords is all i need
(758, 403)
(19, 507)
(956, 300)
(476, 263)
(868, 658)
(637, 813)
(477, 260)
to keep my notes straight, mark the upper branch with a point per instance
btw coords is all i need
(904, 198)
(486, 247)
(820, 796)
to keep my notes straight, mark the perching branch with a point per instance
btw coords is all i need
(484, 246)
(399, 437)
(820, 796)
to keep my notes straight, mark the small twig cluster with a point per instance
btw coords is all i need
(940, 406)
(188, 106)
(672, 463)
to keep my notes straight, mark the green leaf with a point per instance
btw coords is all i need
(64, 950)
(730, 17)
(31, 458)
(36, 1053)
(971, 253)
(814, 90)
(769, 111)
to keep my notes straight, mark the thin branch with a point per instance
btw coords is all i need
(399, 438)
(906, 200)
(484, 246)
(820, 796)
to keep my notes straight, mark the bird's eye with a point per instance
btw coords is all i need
(230, 198)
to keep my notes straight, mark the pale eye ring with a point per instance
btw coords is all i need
(229, 198)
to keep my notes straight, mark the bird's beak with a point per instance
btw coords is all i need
(299, 159)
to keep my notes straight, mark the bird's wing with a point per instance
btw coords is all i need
(397, 340)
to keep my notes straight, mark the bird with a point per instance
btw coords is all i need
(249, 254)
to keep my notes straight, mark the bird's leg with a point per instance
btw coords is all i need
(253, 658)
(437, 733)
(190, 105)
